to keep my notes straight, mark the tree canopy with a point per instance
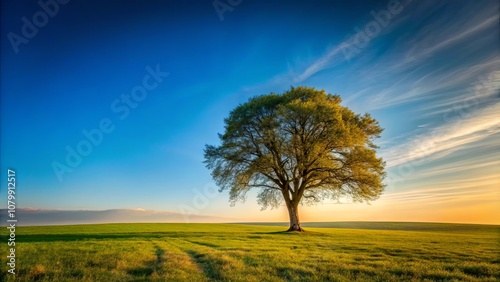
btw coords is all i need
(301, 146)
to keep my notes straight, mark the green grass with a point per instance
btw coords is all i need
(233, 252)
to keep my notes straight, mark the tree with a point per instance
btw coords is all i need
(301, 146)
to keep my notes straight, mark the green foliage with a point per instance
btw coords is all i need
(233, 252)
(299, 146)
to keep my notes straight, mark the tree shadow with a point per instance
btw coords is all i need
(284, 232)
(291, 233)
(210, 245)
(79, 237)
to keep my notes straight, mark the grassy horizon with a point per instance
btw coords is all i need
(243, 252)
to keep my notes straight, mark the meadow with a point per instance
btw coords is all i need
(245, 252)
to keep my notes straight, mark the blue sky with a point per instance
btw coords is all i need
(429, 72)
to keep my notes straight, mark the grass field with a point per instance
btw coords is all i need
(236, 252)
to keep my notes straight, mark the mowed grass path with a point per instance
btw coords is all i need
(233, 252)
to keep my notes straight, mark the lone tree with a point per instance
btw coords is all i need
(301, 146)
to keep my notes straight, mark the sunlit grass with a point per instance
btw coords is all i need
(230, 252)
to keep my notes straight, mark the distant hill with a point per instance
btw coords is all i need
(29, 216)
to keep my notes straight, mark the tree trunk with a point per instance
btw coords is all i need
(293, 212)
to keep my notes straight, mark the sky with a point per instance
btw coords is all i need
(109, 104)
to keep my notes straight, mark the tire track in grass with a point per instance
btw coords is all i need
(207, 265)
(176, 265)
(159, 257)
(149, 267)
(199, 254)
(217, 265)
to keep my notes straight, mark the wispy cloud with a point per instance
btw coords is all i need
(450, 190)
(469, 165)
(446, 139)
(400, 73)
(444, 34)
(483, 90)
(330, 59)
(433, 88)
